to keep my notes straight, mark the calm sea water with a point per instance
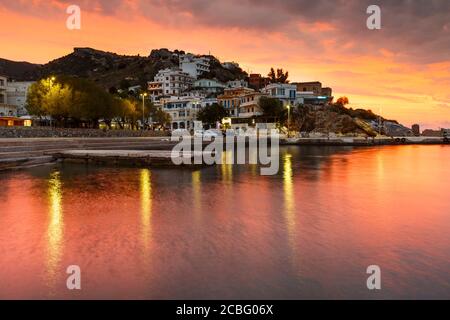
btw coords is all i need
(225, 232)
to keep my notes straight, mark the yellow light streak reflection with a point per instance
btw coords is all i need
(55, 227)
(146, 206)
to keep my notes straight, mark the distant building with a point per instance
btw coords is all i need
(170, 82)
(206, 102)
(17, 95)
(6, 109)
(446, 133)
(257, 82)
(249, 106)
(327, 92)
(193, 65)
(416, 129)
(432, 133)
(309, 98)
(182, 110)
(230, 65)
(314, 87)
(287, 93)
(237, 84)
(135, 89)
(209, 86)
(232, 98)
(3, 96)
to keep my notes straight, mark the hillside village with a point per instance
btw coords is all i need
(181, 84)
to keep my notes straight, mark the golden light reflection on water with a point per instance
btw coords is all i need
(146, 206)
(55, 226)
(227, 166)
(289, 200)
(197, 192)
(289, 206)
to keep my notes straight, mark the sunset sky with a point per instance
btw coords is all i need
(402, 69)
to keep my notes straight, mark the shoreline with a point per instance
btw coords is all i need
(18, 153)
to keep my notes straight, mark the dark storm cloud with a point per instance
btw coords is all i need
(412, 29)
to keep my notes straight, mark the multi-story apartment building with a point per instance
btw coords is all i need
(194, 65)
(287, 93)
(237, 84)
(249, 107)
(232, 98)
(182, 110)
(314, 87)
(3, 96)
(209, 86)
(6, 109)
(17, 95)
(170, 82)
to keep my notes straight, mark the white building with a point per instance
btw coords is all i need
(3, 96)
(195, 66)
(209, 85)
(182, 110)
(249, 106)
(206, 102)
(237, 84)
(17, 95)
(287, 93)
(6, 109)
(230, 65)
(170, 82)
(310, 98)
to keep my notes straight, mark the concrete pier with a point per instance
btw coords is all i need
(126, 157)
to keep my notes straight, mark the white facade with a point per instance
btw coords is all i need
(195, 66)
(249, 106)
(3, 96)
(170, 82)
(208, 102)
(209, 85)
(237, 84)
(287, 93)
(8, 110)
(230, 65)
(182, 110)
(17, 95)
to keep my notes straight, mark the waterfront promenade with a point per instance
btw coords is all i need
(25, 152)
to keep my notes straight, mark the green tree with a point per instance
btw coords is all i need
(161, 117)
(71, 100)
(272, 108)
(211, 114)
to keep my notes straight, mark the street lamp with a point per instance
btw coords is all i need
(289, 119)
(143, 95)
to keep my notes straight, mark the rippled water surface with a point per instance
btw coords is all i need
(226, 232)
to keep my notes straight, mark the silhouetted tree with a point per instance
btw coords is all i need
(279, 76)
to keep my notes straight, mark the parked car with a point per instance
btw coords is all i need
(180, 133)
(212, 133)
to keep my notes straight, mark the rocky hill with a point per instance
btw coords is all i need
(109, 69)
(22, 71)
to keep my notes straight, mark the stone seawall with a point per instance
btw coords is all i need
(47, 132)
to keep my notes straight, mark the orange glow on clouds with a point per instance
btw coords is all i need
(404, 90)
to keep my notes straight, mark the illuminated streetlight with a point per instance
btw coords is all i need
(143, 95)
(289, 119)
